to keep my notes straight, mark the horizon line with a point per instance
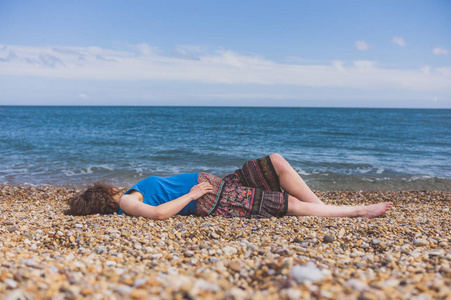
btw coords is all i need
(212, 106)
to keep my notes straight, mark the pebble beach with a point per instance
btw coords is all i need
(404, 254)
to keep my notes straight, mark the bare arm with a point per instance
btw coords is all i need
(132, 206)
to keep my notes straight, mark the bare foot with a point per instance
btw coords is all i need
(374, 210)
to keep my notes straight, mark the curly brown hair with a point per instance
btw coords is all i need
(97, 199)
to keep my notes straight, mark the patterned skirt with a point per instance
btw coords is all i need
(252, 192)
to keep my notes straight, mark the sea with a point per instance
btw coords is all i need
(332, 149)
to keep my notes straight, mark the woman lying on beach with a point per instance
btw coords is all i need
(262, 188)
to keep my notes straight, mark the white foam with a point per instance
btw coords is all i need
(106, 167)
(361, 170)
(380, 171)
(301, 171)
(419, 178)
(88, 170)
(140, 171)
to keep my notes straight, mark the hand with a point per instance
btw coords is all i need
(201, 189)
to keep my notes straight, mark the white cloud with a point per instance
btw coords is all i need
(147, 63)
(184, 53)
(83, 96)
(398, 41)
(301, 60)
(441, 51)
(339, 65)
(142, 48)
(362, 45)
(426, 70)
(364, 64)
(248, 96)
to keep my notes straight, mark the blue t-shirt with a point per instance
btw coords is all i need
(159, 190)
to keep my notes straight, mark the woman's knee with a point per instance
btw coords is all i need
(279, 163)
(276, 158)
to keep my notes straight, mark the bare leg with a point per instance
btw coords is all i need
(299, 208)
(291, 182)
(303, 202)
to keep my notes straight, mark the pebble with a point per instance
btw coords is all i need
(293, 294)
(149, 249)
(228, 250)
(375, 242)
(235, 293)
(110, 263)
(213, 259)
(436, 253)
(304, 273)
(215, 235)
(18, 295)
(29, 263)
(236, 266)
(47, 255)
(328, 239)
(139, 282)
(326, 294)
(252, 247)
(364, 245)
(357, 285)
(421, 242)
(10, 283)
(123, 290)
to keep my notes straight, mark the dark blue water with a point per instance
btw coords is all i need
(331, 148)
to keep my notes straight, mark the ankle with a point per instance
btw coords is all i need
(360, 211)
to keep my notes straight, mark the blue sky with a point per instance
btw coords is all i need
(269, 53)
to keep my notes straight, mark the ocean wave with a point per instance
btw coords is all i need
(94, 169)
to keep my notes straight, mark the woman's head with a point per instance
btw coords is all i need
(97, 199)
